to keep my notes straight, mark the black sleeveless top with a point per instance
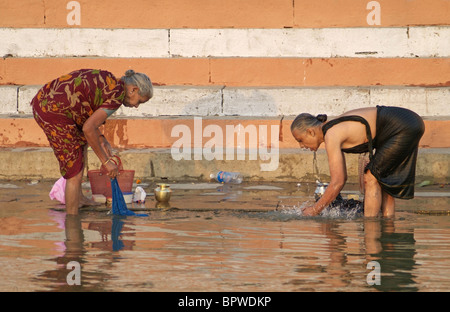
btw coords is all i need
(358, 149)
(397, 140)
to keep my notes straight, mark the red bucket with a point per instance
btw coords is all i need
(101, 183)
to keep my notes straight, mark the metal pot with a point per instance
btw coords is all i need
(163, 192)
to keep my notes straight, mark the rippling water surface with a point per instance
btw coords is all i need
(217, 250)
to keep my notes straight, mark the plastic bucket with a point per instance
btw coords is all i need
(101, 183)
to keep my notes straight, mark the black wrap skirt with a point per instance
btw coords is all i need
(393, 164)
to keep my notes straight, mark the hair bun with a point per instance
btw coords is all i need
(322, 117)
(129, 73)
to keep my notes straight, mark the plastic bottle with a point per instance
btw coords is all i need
(227, 177)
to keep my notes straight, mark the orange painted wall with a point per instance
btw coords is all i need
(128, 133)
(151, 14)
(223, 14)
(353, 13)
(242, 71)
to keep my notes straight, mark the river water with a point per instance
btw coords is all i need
(217, 249)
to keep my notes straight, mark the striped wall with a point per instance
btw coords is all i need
(261, 58)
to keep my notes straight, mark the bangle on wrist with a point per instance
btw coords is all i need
(110, 159)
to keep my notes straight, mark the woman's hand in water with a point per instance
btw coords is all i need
(309, 211)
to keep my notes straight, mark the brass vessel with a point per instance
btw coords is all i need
(162, 205)
(163, 193)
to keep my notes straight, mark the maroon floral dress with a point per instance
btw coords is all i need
(62, 106)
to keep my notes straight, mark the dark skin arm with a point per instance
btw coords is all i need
(338, 173)
(98, 143)
(105, 144)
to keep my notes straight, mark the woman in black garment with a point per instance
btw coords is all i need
(391, 135)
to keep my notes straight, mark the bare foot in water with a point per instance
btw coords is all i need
(84, 201)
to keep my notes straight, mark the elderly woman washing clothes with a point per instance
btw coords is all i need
(394, 133)
(70, 110)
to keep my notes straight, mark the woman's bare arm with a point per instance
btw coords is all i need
(91, 132)
(338, 173)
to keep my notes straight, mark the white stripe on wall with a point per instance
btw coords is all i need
(35, 42)
(323, 42)
(259, 102)
(164, 43)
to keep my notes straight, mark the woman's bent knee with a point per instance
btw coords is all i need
(370, 180)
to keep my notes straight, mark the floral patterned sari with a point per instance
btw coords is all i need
(62, 106)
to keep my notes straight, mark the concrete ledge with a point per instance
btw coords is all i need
(293, 165)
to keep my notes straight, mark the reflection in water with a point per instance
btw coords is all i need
(92, 278)
(116, 232)
(73, 251)
(335, 273)
(219, 251)
(394, 252)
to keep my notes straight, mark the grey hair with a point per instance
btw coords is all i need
(142, 81)
(305, 121)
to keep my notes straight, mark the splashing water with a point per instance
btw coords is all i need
(341, 212)
(339, 209)
(293, 210)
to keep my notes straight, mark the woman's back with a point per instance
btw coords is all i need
(353, 132)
